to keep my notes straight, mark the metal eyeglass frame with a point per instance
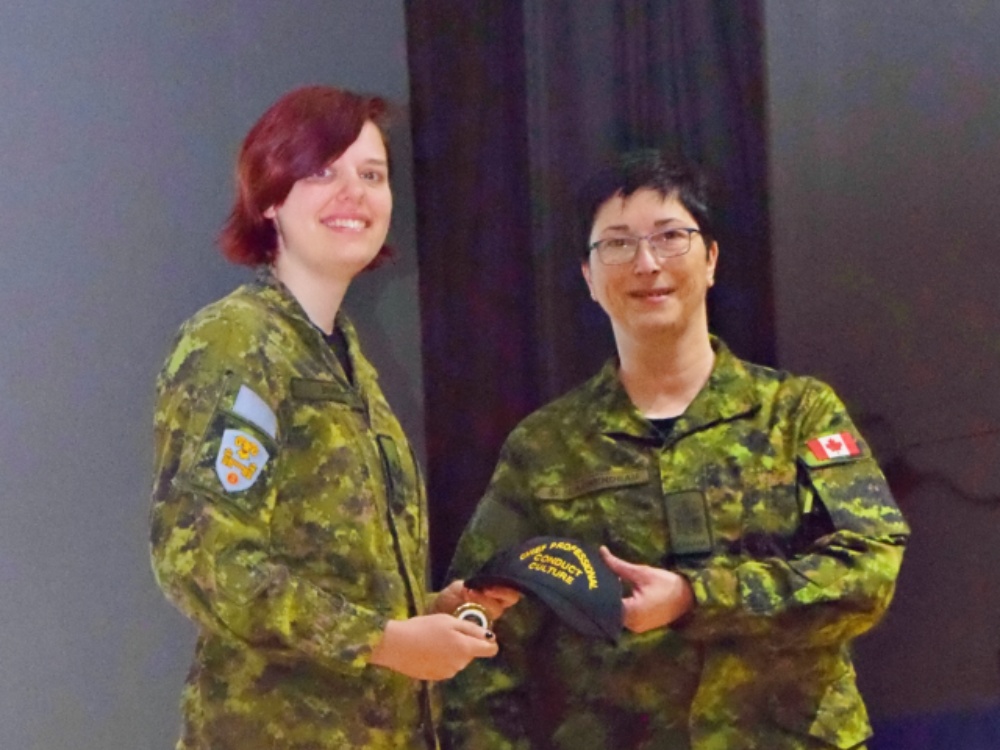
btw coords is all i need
(638, 243)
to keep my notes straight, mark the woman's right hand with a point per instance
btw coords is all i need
(432, 647)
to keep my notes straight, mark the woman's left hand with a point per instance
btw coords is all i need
(658, 596)
(494, 599)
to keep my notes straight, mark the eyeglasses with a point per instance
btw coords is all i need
(666, 243)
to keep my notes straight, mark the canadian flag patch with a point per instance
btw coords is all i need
(837, 445)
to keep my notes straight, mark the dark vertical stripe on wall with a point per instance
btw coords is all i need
(474, 244)
(514, 104)
(690, 78)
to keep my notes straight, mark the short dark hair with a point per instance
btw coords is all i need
(648, 169)
(302, 132)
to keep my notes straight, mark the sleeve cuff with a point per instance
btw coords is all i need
(336, 633)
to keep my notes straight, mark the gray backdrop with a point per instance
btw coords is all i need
(884, 158)
(117, 133)
(118, 129)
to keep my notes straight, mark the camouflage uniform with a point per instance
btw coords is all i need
(789, 558)
(289, 523)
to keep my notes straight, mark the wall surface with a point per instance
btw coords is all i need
(884, 154)
(119, 126)
(118, 130)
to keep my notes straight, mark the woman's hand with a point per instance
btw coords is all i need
(432, 647)
(494, 599)
(658, 596)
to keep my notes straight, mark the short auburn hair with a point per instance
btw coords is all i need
(301, 133)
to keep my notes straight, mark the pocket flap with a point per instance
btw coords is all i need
(305, 389)
(569, 489)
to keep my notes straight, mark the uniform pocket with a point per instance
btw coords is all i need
(571, 488)
(831, 711)
(401, 484)
(622, 508)
(856, 497)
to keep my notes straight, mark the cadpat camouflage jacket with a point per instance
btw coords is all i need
(764, 496)
(289, 523)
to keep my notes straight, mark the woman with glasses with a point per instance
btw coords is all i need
(289, 516)
(752, 528)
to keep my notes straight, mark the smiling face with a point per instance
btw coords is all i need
(333, 223)
(647, 298)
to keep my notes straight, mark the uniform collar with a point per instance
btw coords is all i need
(728, 394)
(280, 296)
(267, 285)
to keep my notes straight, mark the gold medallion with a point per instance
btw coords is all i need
(472, 612)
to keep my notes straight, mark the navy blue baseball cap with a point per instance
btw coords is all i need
(570, 577)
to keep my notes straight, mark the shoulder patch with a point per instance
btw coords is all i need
(255, 410)
(832, 447)
(240, 460)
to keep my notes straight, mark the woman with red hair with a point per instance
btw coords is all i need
(289, 515)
